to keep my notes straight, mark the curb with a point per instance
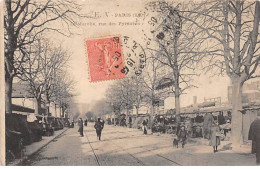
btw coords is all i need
(20, 162)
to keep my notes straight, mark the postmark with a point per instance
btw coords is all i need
(162, 23)
(105, 59)
(134, 55)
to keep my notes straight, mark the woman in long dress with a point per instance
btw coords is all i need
(214, 138)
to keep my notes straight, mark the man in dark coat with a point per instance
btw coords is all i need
(130, 122)
(145, 126)
(254, 135)
(80, 123)
(182, 136)
(221, 119)
(99, 125)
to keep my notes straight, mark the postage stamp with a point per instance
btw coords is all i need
(105, 59)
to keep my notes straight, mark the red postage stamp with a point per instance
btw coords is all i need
(105, 59)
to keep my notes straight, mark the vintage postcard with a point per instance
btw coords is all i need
(130, 82)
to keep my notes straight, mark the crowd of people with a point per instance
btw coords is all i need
(214, 128)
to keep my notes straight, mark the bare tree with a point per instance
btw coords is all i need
(233, 28)
(30, 69)
(62, 91)
(114, 98)
(40, 68)
(24, 20)
(150, 79)
(139, 91)
(176, 44)
(53, 62)
(126, 94)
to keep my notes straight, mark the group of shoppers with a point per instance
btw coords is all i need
(211, 132)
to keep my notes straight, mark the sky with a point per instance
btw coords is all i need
(88, 92)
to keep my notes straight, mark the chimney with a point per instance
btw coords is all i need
(194, 99)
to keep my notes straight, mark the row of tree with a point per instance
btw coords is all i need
(45, 75)
(220, 37)
(32, 58)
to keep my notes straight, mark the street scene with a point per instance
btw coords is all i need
(130, 83)
(130, 147)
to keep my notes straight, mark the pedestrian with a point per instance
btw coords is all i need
(99, 125)
(208, 121)
(130, 122)
(72, 124)
(86, 122)
(124, 123)
(182, 136)
(175, 140)
(221, 118)
(80, 123)
(254, 135)
(145, 126)
(214, 137)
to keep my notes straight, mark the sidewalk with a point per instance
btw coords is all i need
(225, 145)
(31, 149)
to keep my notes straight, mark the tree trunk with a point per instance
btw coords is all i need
(60, 111)
(8, 94)
(152, 114)
(47, 102)
(114, 119)
(55, 108)
(176, 77)
(37, 106)
(10, 47)
(127, 113)
(177, 100)
(47, 110)
(236, 122)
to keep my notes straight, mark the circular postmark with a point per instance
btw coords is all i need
(134, 56)
(162, 24)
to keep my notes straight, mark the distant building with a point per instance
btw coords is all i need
(22, 97)
(250, 92)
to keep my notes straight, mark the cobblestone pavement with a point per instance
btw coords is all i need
(124, 146)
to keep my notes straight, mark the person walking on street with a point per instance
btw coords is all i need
(86, 122)
(99, 125)
(145, 126)
(130, 122)
(214, 137)
(182, 136)
(80, 123)
(254, 135)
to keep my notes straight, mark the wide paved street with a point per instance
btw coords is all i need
(125, 146)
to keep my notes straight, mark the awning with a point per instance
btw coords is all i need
(164, 83)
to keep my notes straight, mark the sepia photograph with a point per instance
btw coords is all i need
(130, 82)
